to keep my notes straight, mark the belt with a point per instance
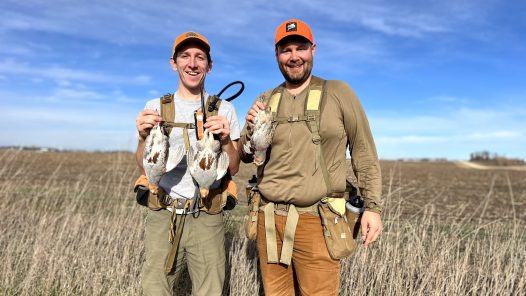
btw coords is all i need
(282, 209)
(181, 211)
(179, 206)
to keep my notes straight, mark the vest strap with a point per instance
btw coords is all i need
(174, 235)
(167, 110)
(270, 234)
(288, 235)
(312, 110)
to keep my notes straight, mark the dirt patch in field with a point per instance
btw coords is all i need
(477, 166)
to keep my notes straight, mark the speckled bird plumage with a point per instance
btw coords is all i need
(206, 162)
(158, 157)
(261, 138)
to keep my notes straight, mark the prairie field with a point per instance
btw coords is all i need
(70, 226)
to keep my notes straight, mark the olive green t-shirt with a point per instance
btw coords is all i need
(291, 173)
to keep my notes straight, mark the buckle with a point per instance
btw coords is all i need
(316, 139)
(281, 207)
(293, 118)
(180, 211)
(311, 117)
(167, 98)
(179, 203)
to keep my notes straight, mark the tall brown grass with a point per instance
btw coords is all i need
(70, 226)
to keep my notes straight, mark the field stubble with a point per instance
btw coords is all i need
(70, 226)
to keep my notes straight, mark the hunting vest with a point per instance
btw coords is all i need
(227, 193)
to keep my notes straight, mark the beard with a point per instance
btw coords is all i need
(296, 78)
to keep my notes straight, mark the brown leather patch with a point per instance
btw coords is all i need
(200, 125)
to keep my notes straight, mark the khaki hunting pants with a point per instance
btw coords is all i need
(315, 271)
(202, 243)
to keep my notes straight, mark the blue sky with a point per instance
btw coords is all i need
(436, 78)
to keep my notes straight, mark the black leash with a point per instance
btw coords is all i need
(212, 106)
(241, 89)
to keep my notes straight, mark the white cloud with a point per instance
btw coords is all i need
(450, 139)
(411, 123)
(411, 139)
(402, 19)
(62, 74)
(453, 134)
(446, 99)
(495, 135)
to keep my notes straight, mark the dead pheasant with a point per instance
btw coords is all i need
(158, 157)
(206, 162)
(261, 138)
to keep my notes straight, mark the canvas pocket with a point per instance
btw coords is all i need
(222, 198)
(338, 236)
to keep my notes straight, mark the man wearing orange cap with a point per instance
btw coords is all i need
(201, 241)
(316, 122)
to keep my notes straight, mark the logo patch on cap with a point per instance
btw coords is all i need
(191, 34)
(291, 27)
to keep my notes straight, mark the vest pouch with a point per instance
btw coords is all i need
(251, 218)
(219, 199)
(338, 236)
(147, 194)
(142, 194)
(155, 197)
(231, 190)
(215, 201)
(231, 203)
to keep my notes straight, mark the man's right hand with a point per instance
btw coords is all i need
(251, 114)
(145, 121)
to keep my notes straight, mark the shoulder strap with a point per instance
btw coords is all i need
(168, 115)
(275, 99)
(168, 110)
(316, 94)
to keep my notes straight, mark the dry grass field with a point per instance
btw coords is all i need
(70, 226)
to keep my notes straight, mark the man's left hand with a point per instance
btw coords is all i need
(219, 125)
(371, 227)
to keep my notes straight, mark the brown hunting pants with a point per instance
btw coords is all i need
(314, 270)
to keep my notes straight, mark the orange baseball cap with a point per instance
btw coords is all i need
(291, 28)
(191, 36)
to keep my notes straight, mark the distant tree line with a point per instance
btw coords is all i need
(494, 159)
(30, 148)
(50, 149)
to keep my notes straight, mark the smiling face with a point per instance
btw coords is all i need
(295, 58)
(192, 64)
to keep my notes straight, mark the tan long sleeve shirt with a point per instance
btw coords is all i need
(291, 174)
